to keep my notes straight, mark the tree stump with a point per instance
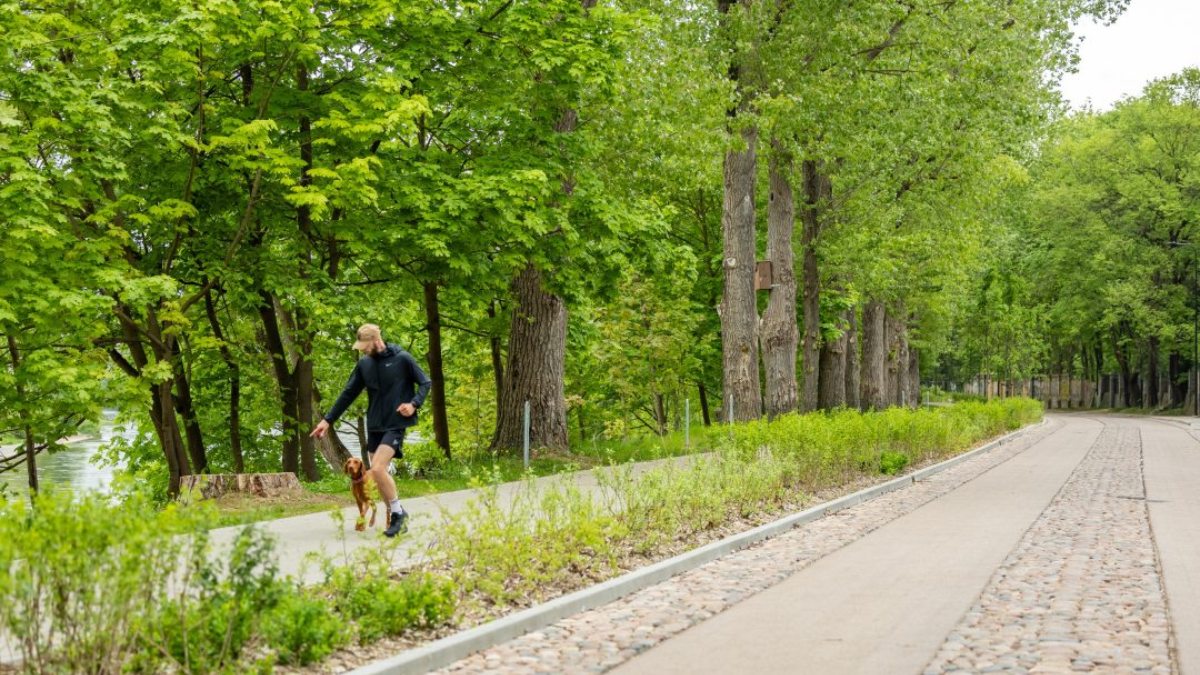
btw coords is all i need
(211, 486)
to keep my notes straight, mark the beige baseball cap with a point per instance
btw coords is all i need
(367, 334)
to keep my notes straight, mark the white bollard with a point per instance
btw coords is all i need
(527, 435)
(687, 421)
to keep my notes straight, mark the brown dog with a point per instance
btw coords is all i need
(361, 484)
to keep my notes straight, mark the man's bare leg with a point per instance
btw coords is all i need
(379, 471)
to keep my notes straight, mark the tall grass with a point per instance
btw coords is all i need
(556, 531)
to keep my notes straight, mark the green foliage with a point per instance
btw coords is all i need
(85, 578)
(366, 592)
(104, 588)
(303, 630)
(208, 624)
(511, 550)
(201, 182)
(892, 463)
(424, 459)
(1091, 267)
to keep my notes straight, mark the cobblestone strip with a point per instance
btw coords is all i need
(600, 639)
(1081, 592)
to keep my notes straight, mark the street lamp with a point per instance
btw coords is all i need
(1192, 372)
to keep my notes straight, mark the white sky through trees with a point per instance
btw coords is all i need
(1151, 39)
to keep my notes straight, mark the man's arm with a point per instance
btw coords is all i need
(353, 388)
(423, 381)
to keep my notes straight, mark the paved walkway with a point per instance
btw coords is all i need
(1076, 549)
(299, 536)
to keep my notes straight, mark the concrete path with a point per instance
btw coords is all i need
(1171, 453)
(1076, 551)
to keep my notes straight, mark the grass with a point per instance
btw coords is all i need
(333, 490)
(243, 509)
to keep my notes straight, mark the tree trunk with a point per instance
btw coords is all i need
(162, 404)
(283, 376)
(183, 403)
(739, 311)
(1190, 403)
(814, 194)
(1126, 373)
(780, 335)
(30, 448)
(902, 357)
(582, 425)
(437, 392)
(1150, 382)
(831, 392)
(875, 352)
(235, 386)
(302, 374)
(704, 404)
(360, 431)
(497, 356)
(897, 355)
(305, 411)
(1176, 373)
(332, 449)
(536, 367)
(169, 437)
(852, 361)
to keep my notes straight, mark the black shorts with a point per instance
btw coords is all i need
(393, 438)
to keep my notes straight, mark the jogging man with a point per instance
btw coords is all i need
(396, 387)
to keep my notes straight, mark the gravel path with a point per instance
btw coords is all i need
(601, 639)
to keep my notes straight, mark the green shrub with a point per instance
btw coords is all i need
(366, 593)
(424, 459)
(85, 576)
(517, 551)
(892, 463)
(213, 614)
(302, 629)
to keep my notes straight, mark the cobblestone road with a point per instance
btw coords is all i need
(1081, 592)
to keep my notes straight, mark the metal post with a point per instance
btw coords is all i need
(687, 422)
(527, 434)
(1195, 338)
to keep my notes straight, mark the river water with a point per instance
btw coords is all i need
(76, 467)
(73, 466)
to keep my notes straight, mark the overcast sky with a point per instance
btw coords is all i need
(1152, 39)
